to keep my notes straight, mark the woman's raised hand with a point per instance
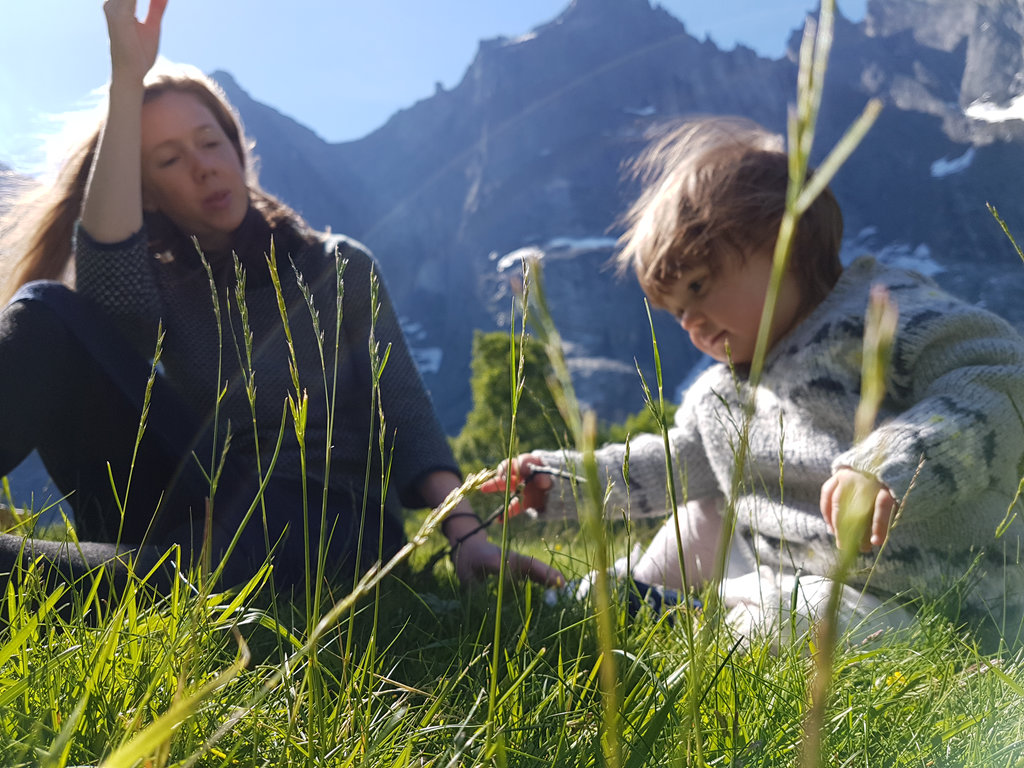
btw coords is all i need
(112, 208)
(133, 44)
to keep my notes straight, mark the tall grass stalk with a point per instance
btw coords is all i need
(244, 355)
(217, 458)
(814, 53)
(315, 561)
(298, 403)
(210, 575)
(1011, 511)
(122, 499)
(494, 742)
(318, 623)
(378, 362)
(371, 438)
(696, 667)
(582, 430)
(856, 505)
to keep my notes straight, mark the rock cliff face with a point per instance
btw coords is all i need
(989, 31)
(528, 150)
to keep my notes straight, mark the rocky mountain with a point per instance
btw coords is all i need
(528, 151)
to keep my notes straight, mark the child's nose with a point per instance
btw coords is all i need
(690, 319)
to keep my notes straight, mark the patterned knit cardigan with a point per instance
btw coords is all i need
(948, 443)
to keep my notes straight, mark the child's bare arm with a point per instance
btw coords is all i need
(851, 484)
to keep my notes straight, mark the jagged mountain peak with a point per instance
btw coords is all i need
(591, 11)
(226, 80)
(608, 25)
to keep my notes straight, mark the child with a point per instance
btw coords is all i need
(167, 169)
(942, 463)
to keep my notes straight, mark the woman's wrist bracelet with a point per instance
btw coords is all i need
(451, 549)
(453, 515)
(468, 535)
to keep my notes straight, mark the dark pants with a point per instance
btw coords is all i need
(72, 388)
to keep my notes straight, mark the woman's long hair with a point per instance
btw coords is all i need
(36, 233)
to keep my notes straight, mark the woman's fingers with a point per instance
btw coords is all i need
(478, 558)
(526, 567)
(156, 12)
(150, 28)
(133, 44)
(116, 8)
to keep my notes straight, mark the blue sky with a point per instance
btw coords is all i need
(340, 67)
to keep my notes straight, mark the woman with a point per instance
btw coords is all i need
(163, 180)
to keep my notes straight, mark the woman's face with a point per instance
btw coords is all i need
(190, 170)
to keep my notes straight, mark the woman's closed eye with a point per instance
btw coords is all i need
(167, 162)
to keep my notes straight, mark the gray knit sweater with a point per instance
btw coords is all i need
(954, 405)
(137, 288)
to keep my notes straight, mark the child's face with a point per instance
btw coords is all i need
(723, 311)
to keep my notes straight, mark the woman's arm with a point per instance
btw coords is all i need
(112, 209)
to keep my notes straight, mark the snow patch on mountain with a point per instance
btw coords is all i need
(948, 166)
(988, 112)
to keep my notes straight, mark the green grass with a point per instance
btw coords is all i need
(76, 684)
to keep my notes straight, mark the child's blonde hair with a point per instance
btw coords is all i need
(713, 188)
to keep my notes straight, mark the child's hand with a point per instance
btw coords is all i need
(851, 484)
(535, 486)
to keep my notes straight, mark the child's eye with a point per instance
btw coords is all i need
(212, 144)
(696, 286)
(167, 162)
